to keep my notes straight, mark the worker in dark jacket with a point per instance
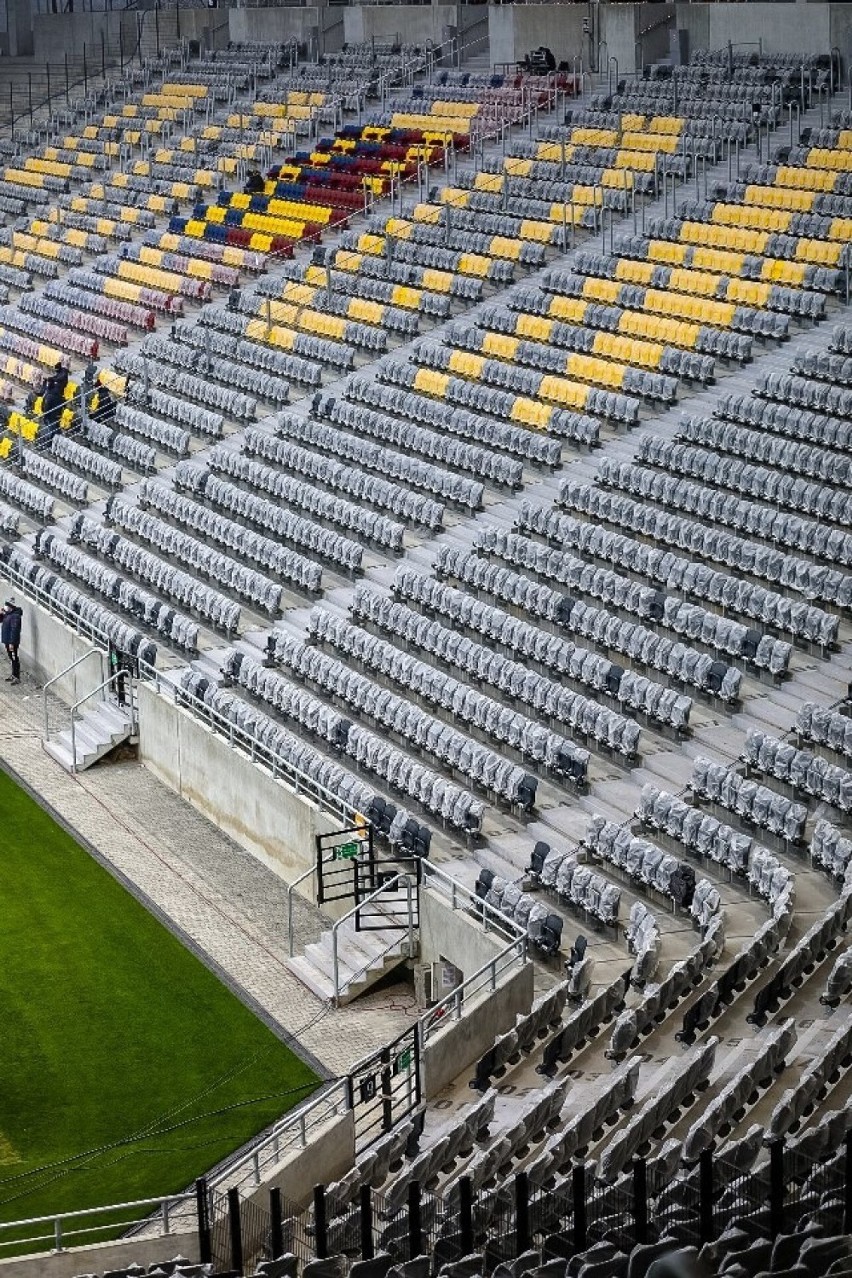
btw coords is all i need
(60, 378)
(254, 183)
(53, 399)
(10, 637)
(102, 403)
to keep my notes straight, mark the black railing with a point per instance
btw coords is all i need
(692, 1206)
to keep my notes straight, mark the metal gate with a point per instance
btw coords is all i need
(386, 900)
(385, 1088)
(338, 853)
(347, 868)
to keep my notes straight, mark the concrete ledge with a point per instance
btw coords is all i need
(328, 1156)
(103, 1256)
(458, 1044)
(260, 812)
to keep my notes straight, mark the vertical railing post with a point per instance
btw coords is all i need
(236, 1230)
(522, 1213)
(466, 1215)
(847, 1188)
(387, 1091)
(202, 1213)
(67, 85)
(776, 1188)
(415, 1227)
(578, 1193)
(276, 1223)
(320, 1225)
(368, 1251)
(640, 1201)
(49, 102)
(705, 1197)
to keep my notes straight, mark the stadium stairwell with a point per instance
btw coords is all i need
(370, 940)
(101, 719)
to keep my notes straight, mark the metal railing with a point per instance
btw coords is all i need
(483, 982)
(92, 652)
(237, 737)
(486, 979)
(461, 897)
(398, 881)
(292, 1132)
(68, 1228)
(114, 680)
(49, 90)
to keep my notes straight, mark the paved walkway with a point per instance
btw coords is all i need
(227, 906)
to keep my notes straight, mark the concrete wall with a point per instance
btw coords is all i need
(102, 1257)
(48, 646)
(327, 1157)
(810, 28)
(840, 31)
(271, 25)
(455, 935)
(514, 30)
(55, 34)
(455, 1048)
(413, 23)
(801, 28)
(263, 814)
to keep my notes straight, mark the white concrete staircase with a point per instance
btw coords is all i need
(96, 733)
(363, 958)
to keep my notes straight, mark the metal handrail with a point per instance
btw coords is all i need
(456, 892)
(450, 1006)
(398, 880)
(291, 888)
(57, 1233)
(293, 1130)
(113, 678)
(92, 652)
(236, 736)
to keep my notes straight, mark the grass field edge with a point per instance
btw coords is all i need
(156, 911)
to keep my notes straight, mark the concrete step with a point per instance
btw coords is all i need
(96, 733)
(362, 959)
(351, 960)
(311, 978)
(321, 958)
(60, 753)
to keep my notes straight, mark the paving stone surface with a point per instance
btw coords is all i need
(228, 906)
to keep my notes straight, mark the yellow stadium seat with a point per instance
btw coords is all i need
(474, 264)
(431, 382)
(535, 327)
(500, 345)
(530, 412)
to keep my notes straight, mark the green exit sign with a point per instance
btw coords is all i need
(346, 852)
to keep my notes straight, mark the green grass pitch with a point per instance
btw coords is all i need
(126, 1068)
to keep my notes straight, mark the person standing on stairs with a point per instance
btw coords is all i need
(10, 636)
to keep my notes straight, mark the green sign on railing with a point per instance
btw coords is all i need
(346, 852)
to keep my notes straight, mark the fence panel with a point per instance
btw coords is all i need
(609, 1213)
(385, 1088)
